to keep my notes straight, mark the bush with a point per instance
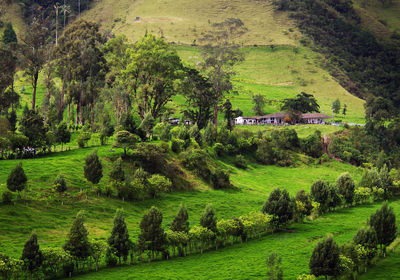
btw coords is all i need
(220, 179)
(111, 259)
(219, 149)
(7, 197)
(83, 138)
(197, 161)
(59, 184)
(240, 162)
(177, 145)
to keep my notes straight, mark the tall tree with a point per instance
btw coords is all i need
(275, 271)
(119, 240)
(180, 222)
(320, 193)
(77, 243)
(197, 91)
(34, 48)
(8, 65)
(208, 219)
(9, 35)
(82, 66)
(336, 106)
(62, 134)
(220, 54)
(367, 238)
(325, 259)
(152, 236)
(384, 223)
(17, 179)
(117, 173)
(151, 74)
(31, 254)
(32, 126)
(345, 185)
(93, 168)
(259, 102)
(280, 206)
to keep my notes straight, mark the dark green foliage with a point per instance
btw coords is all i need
(384, 224)
(306, 202)
(325, 258)
(259, 102)
(184, 136)
(209, 134)
(197, 161)
(176, 145)
(31, 254)
(126, 140)
(220, 179)
(334, 197)
(196, 135)
(77, 243)
(312, 144)
(6, 197)
(302, 103)
(119, 240)
(270, 152)
(280, 206)
(240, 162)
(128, 123)
(345, 185)
(208, 218)
(320, 193)
(275, 271)
(32, 126)
(117, 173)
(111, 259)
(59, 184)
(62, 134)
(152, 236)
(17, 179)
(386, 182)
(9, 35)
(367, 238)
(93, 168)
(180, 222)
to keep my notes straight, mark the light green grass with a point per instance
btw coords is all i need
(183, 21)
(247, 260)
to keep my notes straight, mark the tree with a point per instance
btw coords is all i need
(344, 111)
(93, 168)
(345, 185)
(151, 74)
(158, 184)
(325, 259)
(147, 124)
(384, 223)
(302, 103)
(280, 206)
(31, 254)
(97, 250)
(259, 102)
(119, 240)
(9, 36)
(180, 222)
(77, 243)
(8, 64)
(152, 236)
(198, 94)
(125, 140)
(32, 126)
(81, 65)
(17, 179)
(62, 134)
(117, 173)
(59, 184)
(320, 193)
(275, 271)
(336, 106)
(220, 54)
(303, 203)
(208, 219)
(386, 182)
(367, 238)
(34, 52)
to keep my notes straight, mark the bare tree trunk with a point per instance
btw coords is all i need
(35, 78)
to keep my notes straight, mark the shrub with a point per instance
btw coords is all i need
(7, 197)
(177, 145)
(83, 138)
(220, 179)
(219, 149)
(240, 162)
(111, 259)
(197, 161)
(59, 184)
(158, 184)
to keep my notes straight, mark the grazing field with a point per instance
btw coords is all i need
(247, 260)
(41, 209)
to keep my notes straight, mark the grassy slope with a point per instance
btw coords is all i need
(45, 214)
(14, 16)
(281, 73)
(182, 21)
(247, 261)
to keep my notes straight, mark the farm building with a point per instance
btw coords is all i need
(279, 119)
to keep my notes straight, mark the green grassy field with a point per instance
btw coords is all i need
(42, 210)
(247, 260)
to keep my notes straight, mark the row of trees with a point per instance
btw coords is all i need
(328, 259)
(79, 253)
